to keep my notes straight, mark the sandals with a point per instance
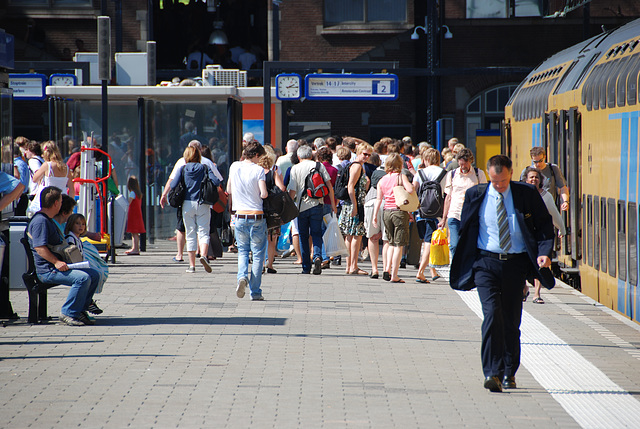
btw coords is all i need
(374, 275)
(434, 278)
(177, 260)
(526, 295)
(397, 281)
(359, 272)
(538, 301)
(419, 280)
(131, 253)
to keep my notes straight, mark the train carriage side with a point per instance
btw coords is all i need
(582, 106)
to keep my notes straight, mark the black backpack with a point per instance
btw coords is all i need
(431, 196)
(341, 189)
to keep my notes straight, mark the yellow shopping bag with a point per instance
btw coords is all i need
(439, 255)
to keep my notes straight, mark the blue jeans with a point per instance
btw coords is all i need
(251, 236)
(83, 285)
(454, 235)
(310, 220)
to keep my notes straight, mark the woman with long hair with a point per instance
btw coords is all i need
(273, 179)
(196, 216)
(351, 220)
(54, 172)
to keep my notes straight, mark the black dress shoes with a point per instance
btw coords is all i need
(509, 382)
(493, 384)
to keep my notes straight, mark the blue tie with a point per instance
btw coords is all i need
(503, 224)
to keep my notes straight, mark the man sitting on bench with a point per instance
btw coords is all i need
(42, 232)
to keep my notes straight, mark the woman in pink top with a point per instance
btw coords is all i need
(396, 221)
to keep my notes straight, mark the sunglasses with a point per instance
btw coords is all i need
(540, 161)
(366, 154)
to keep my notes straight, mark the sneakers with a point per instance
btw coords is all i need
(257, 298)
(71, 321)
(191, 270)
(242, 284)
(205, 264)
(93, 308)
(85, 319)
(317, 266)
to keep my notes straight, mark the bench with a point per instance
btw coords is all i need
(36, 289)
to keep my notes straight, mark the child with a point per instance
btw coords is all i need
(135, 223)
(75, 228)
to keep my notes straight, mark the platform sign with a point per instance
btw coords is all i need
(321, 86)
(28, 86)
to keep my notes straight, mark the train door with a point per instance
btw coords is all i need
(573, 164)
(505, 138)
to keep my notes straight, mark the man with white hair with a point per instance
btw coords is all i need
(180, 230)
(318, 143)
(248, 138)
(284, 162)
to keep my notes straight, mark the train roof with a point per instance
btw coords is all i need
(567, 70)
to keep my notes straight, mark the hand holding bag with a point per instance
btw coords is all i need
(439, 252)
(176, 195)
(333, 241)
(208, 191)
(406, 201)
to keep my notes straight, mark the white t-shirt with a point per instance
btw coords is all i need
(458, 187)
(206, 161)
(299, 173)
(243, 181)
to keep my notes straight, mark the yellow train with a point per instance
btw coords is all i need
(582, 105)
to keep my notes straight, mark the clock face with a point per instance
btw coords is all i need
(288, 86)
(63, 80)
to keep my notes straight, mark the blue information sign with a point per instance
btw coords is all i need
(28, 86)
(325, 86)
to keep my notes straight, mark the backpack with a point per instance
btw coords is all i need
(314, 185)
(341, 188)
(431, 196)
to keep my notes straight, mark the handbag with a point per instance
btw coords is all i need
(333, 241)
(279, 208)
(223, 198)
(406, 201)
(69, 253)
(439, 252)
(176, 195)
(226, 235)
(208, 191)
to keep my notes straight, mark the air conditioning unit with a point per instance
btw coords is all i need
(215, 75)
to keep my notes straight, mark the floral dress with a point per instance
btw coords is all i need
(350, 225)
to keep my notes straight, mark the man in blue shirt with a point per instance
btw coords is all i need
(42, 233)
(506, 236)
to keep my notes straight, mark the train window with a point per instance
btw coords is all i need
(587, 68)
(592, 87)
(603, 235)
(613, 78)
(564, 77)
(589, 241)
(622, 240)
(632, 84)
(611, 236)
(596, 232)
(632, 217)
(633, 45)
(622, 80)
(602, 83)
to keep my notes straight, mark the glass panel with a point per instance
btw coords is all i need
(503, 97)
(612, 81)
(71, 2)
(474, 106)
(603, 235)
(633, 244)
(486, 9)
(622, 241)
(491, 103)
(622, 80)
(386, 10)
(29, 2)
(336, 11)
(596, 232)
(611, 209)
(528, 8)
(6, 133)
(589, 243)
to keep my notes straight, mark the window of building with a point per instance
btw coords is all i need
(503, 8)
(486, 111)
(51, 3)
(364, 11)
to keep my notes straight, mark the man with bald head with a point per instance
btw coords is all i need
(284, 162)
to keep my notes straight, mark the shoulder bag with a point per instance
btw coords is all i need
(405, 201)
(177, 194)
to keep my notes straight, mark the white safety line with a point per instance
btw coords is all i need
(585, 392)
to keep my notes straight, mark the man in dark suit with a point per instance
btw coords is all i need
(506, 235)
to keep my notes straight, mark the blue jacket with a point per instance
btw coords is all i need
(535, 223)
(193, 173)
